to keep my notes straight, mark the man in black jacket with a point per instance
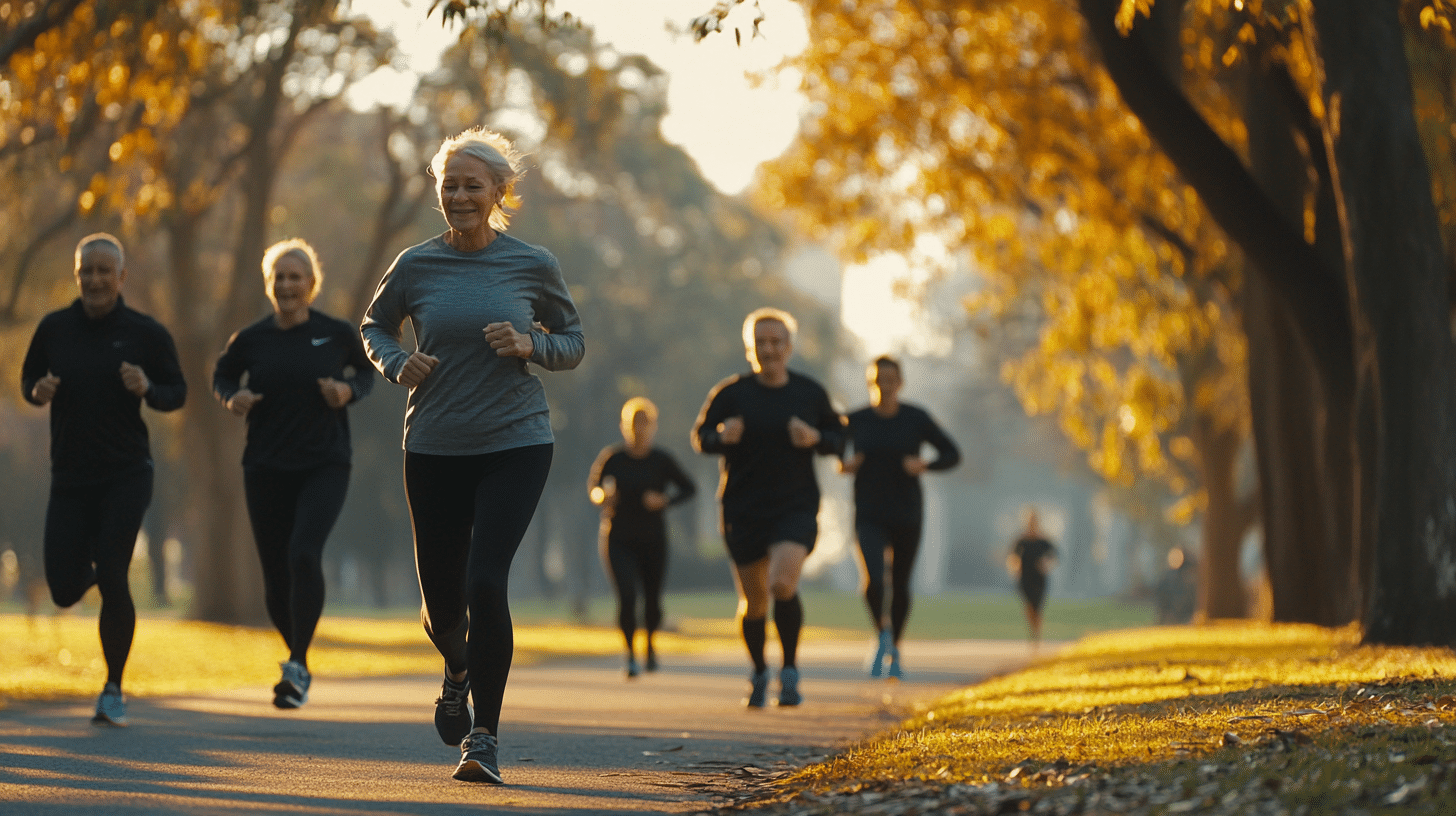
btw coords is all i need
(94, 363)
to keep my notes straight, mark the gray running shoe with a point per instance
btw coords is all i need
(632, 668)
(758, 695)
(110, 707)
(292, 690)
(453, 718)
(477, 759)
(789, 687)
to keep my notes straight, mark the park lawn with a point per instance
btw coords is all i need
(1228, 718)
(59, 656)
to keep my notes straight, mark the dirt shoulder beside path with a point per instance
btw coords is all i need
(576, 739)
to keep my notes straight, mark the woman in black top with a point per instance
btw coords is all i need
(631, 482)
(767, 425)
(296, 463)
(1029, 561)
(94, 363)
(886, 438)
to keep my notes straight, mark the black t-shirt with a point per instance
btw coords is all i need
(627, 519)
(883, 492)
(96, 424)
(292, 427)
(764, 476)
(1031, 550)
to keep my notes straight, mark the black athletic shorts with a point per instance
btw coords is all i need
(1034, 591)
(748, 541)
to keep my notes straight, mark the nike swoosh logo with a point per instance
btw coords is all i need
(319, 341)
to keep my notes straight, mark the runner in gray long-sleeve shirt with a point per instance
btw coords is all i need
(477, 435)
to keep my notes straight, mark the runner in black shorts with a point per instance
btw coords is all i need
(95, 363)
(884, 455)
(1029, 561)
(631, 482)
(296, 463)
(768, 425)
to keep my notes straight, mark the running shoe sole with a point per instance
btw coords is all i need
(471, 771)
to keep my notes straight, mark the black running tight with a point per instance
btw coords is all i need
(90, 534)
(903, 541)
(631, 561)
(469, 514)
(292, 512)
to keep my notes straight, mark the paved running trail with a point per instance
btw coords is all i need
(576, 738)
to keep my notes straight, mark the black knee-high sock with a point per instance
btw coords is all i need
(789, 619)
(754, 636)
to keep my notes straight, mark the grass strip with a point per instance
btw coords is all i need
(59, 656)
(1229, 718)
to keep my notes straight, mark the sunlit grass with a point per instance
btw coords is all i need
(1148, 695)
(56, 657)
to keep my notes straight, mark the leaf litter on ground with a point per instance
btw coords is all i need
(1237, 718)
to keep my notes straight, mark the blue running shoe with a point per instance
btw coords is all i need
(895, 672)
(758, 696)
(292, 690)
(882, 650)
(632, 668)
(477, 759)
(110, 707)
(789, 687)
(453, 718)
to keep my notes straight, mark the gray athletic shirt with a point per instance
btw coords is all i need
(473, 401)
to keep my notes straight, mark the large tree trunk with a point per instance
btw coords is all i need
(1397, 272)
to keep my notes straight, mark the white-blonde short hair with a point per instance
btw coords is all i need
(499, 155)
(768, 313)
(293, 246)
(101, 238)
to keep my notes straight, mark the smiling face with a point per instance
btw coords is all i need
(468, 192)
(99, 276)
(772, 348)
(290, 287)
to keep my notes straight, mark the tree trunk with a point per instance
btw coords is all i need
(1395, 261)
(227, 580)
(1221, 585)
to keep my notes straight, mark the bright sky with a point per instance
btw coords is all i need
(726, 122)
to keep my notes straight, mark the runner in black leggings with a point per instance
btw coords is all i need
(768, 425)
(95, 363)
(477, 435)
(886, 438)
(296, 463)
(631, 483)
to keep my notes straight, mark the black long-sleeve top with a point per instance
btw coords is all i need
(883, 492)
(96, 424)
(764, 476)
(626, 518)
(292, 427)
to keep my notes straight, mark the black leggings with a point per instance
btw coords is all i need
(90, 534)
(292, 512)
(627, 562)
(469, 514)
(903, 541)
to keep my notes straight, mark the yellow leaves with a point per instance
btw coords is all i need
(1432, 17)
(1127, 12)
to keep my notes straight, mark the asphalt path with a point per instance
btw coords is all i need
(576, 738)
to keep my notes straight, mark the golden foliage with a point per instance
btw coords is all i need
(990, 126)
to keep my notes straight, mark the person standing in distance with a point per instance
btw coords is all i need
(94, 363)
(885, 439)
(477, 432)
(296, 463)
(1031, 558)
(767, 425)
(631, 482)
